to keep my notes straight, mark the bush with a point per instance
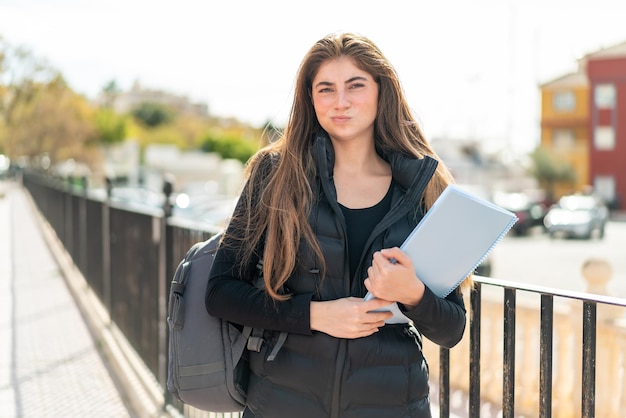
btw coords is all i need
(153, 114)
(229, 147)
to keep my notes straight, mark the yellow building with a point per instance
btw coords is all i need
(565, 125)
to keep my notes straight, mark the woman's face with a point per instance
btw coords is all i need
(345, 99)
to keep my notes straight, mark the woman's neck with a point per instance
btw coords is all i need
(354, 158)
(361, 176)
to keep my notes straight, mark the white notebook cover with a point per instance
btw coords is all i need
(452, 239)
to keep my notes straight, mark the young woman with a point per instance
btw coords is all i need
(322, 215)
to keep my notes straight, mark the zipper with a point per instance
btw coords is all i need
(331, 198)
(341, 358)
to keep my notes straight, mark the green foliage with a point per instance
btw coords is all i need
(109, 92)
(153, 114)
(56, 121)
(163, 134)
(39, 113)
(230, 147)
(550, 170)
(111, 88)
(111, 127)
(21, 75)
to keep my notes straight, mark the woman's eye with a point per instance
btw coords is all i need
(357, 85)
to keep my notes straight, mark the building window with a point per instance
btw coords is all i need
(564, 101)
(604, 138)
(604, 96)
(604, 187)
(563, 139)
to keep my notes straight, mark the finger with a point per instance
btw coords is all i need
(371, 270)
(380, 322)
(367, 283)
(369, 329)
(373, 275)
(380, 264)
(394, 255)
(379, 259)
(373, 330)
(366, 333)
(366, 328)
(376, 303)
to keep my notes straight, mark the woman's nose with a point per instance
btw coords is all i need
(342, 99)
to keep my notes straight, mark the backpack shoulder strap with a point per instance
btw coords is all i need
(255, 335)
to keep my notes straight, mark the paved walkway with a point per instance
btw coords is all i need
(50, 365)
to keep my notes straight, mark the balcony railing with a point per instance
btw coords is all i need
(527, 350)
(550, 353)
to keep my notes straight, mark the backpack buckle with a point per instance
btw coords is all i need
(255, 343)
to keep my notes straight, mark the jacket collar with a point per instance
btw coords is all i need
(407, 171)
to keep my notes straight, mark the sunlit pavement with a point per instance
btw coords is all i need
(50, 365)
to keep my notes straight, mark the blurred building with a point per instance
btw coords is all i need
(481, 173)
(606, 70)
(126, 101)
(565, 125)
(583, 124)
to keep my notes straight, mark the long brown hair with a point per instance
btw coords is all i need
(277, 216)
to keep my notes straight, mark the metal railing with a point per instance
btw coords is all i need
(128, 258)
(520, 344)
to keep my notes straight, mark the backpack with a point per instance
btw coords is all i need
(207, 367)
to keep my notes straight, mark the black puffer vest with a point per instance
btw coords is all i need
(383, 375)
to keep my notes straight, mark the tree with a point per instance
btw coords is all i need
(550, 171)
(153, 114)
(110, 91)
(56, 121)
(111, 127)
(20, 74)
(230, 147)
(32, 98)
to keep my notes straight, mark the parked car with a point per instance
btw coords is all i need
(5, 165)
(530, 213)
(578, 216)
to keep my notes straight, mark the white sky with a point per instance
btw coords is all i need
(470, 68)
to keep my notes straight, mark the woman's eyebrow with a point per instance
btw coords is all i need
(323, 83)
(355, 78)
(350, 80)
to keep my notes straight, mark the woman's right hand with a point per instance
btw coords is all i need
(348, 317)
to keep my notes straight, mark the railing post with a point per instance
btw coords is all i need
(68, 216)
(168, 188)
(474, 352)
(106, 248)
(589, 360)
(545, 358)
(444, 382)
(508, 382)
(82, 229)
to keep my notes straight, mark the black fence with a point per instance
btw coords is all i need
(128, 258)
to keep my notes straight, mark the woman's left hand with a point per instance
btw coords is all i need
(392, 277)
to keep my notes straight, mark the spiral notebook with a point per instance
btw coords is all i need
(453, 238)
